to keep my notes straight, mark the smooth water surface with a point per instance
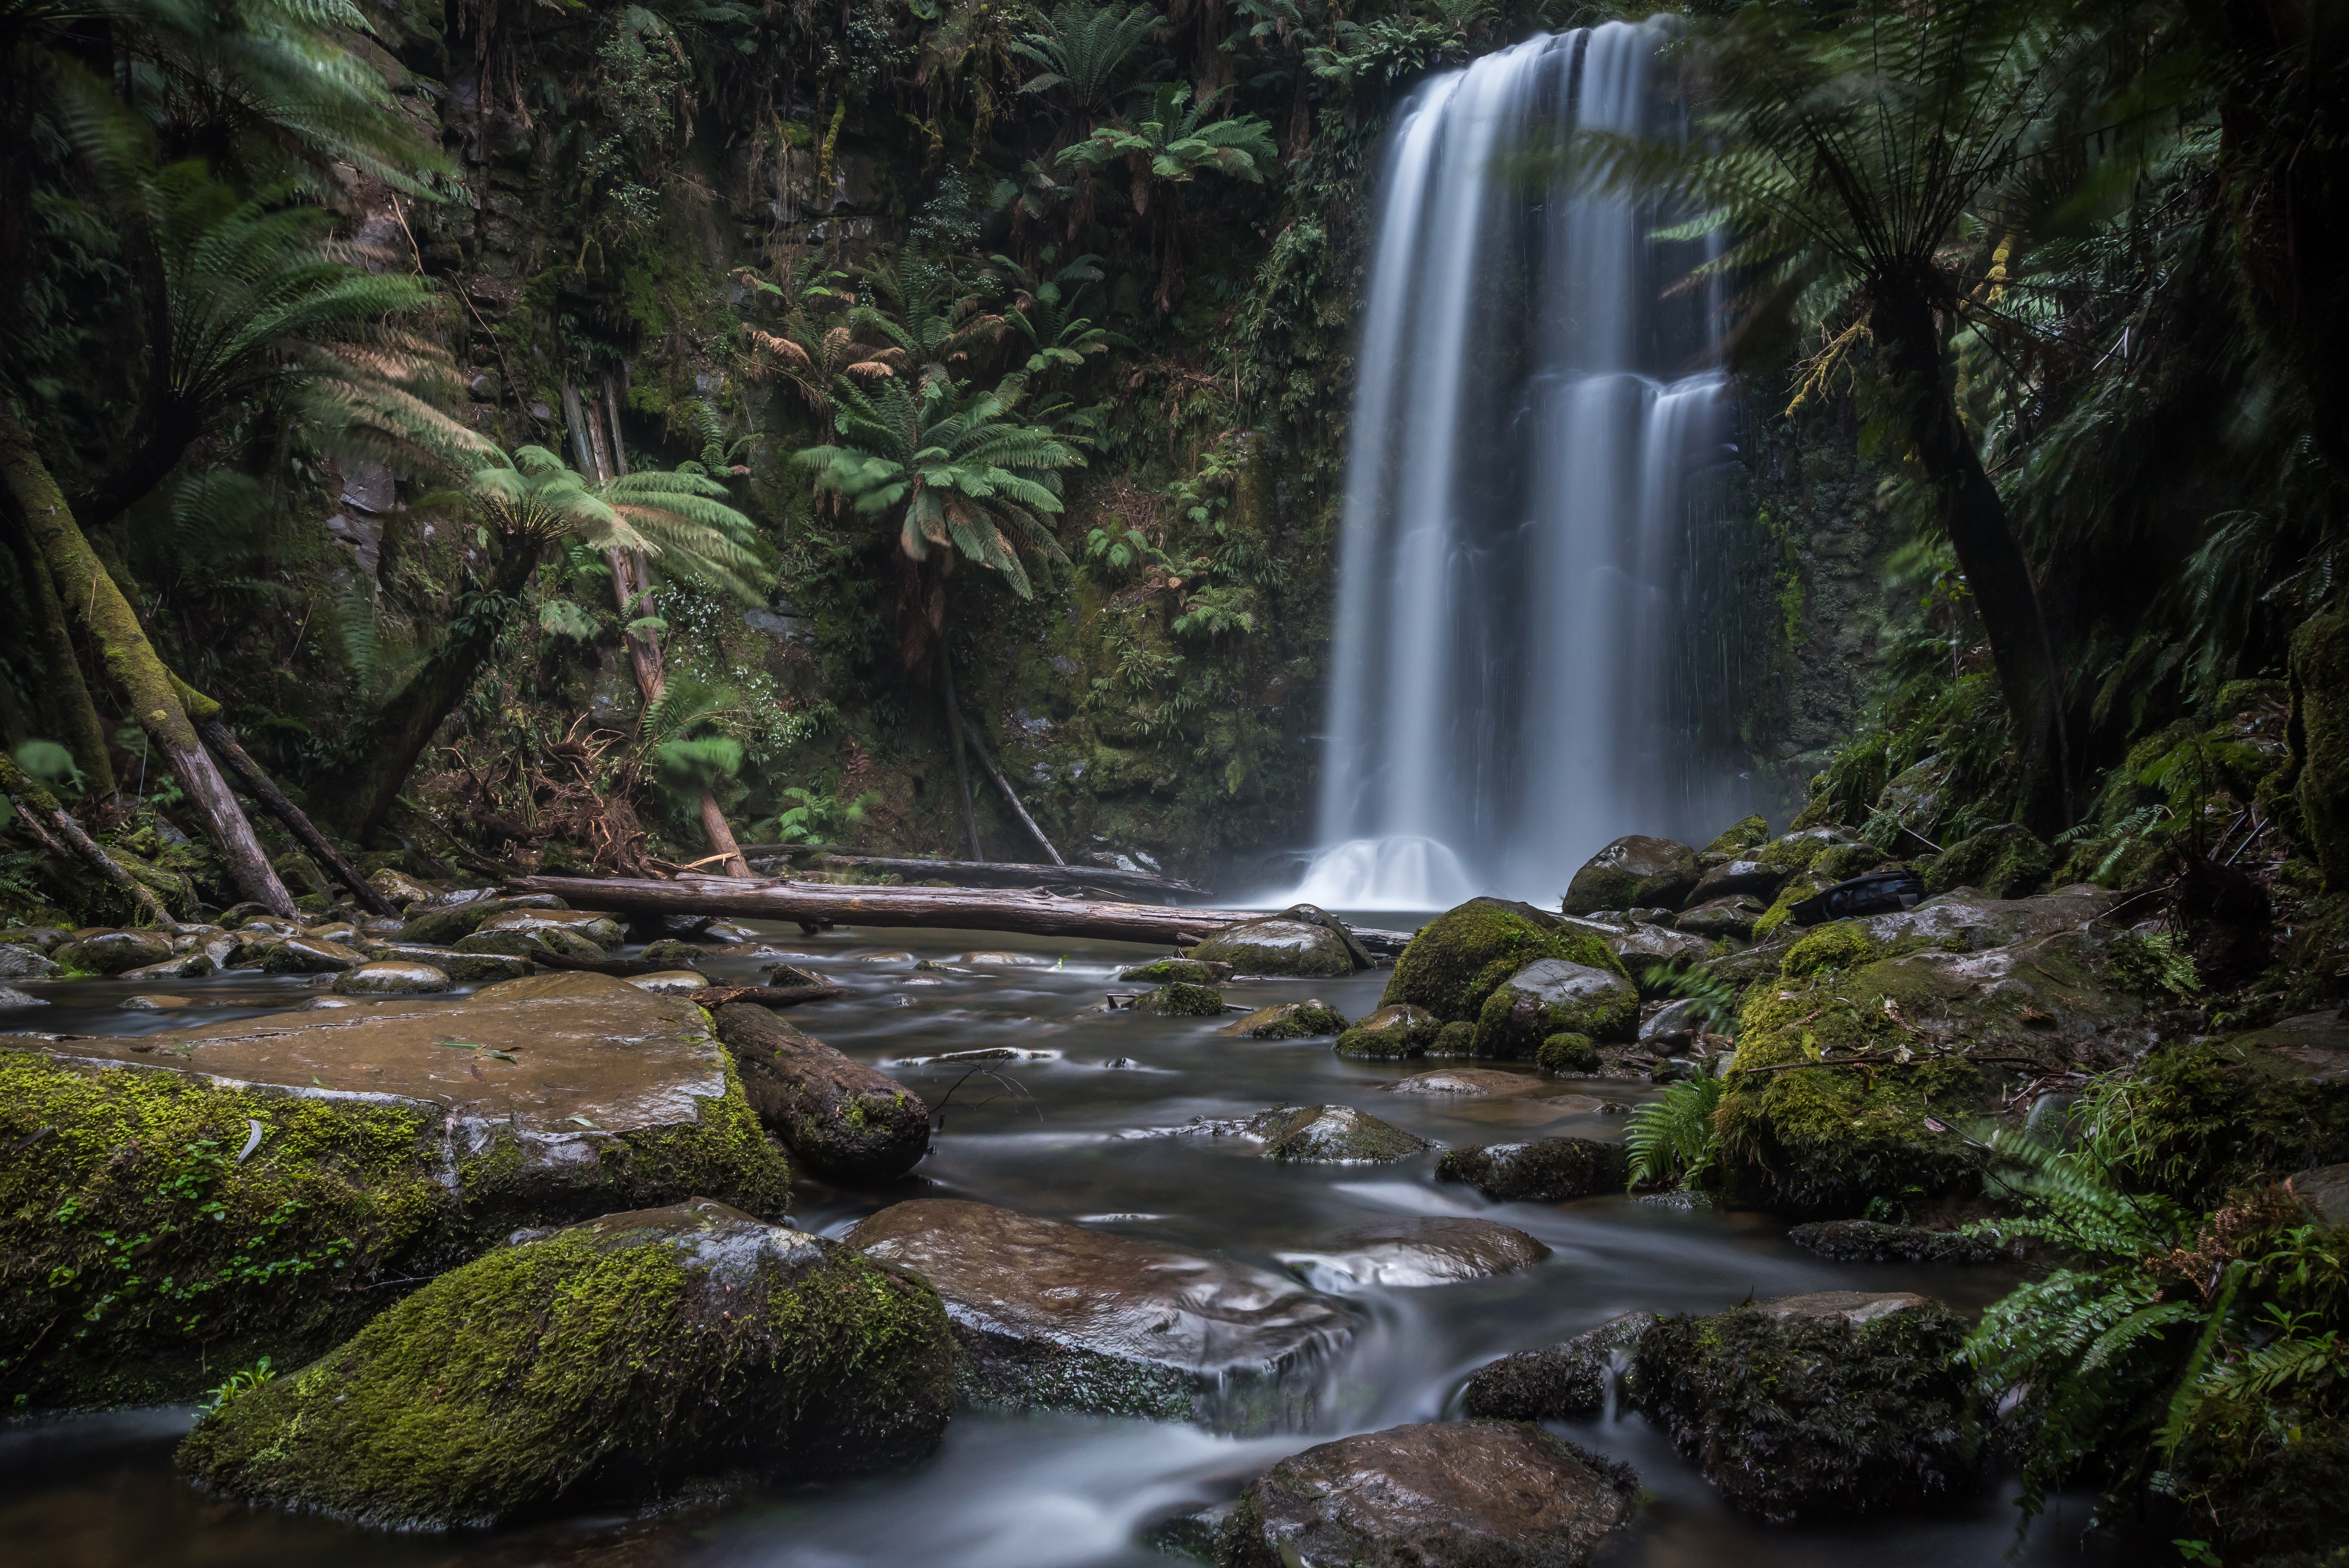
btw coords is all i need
(1072, 1128)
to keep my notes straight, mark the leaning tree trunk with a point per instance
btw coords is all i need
(90, 594)
(56, 828)
(67, 693)
(1997, 574)
(370, 788)
(262, 787)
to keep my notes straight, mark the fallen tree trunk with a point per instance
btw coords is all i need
(955, 908)
(977, 873)
(844, 1119)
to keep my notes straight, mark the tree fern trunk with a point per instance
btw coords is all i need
(67, 695)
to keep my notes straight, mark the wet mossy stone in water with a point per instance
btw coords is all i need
(113, 952)
(391, 977)
(1438, 1494)
(1332, 1134)
(574, 1095)
(2009, 862)
(1557, 1381)
(1816, 1407)
(1413, 1251)
(1552, 997)
(1053, 1316)
(1179, 999)
(670, 950)
(309, 956)
(603, 930)
(1567, 1052)
(1454, 1040)
(603, 1363)
(1634, 872)
(1302, 942)
(1547, 1171)
(1190, 971)
(441, 920)
(1289, 1021)
(1740, 837)
(1391, 1034)
(1462, 956)
(1871, 1242)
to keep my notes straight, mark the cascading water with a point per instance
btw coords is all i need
(1529, 659)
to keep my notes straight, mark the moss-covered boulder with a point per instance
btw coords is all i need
(113, 952)
(1555, 1382)
(1740, 838)
(1302, 942)
(1733, 916)
(1634, 872)
(1190, 971)
(1816, 1407)
(1551, 996)
(1391, 1034)
(1331, 1135)
(1461, 957)
(1799, 851)
(2006, 861)
(1287, 1021)
(2209, 1117)
(1873, 1241)
(1458, 1039)
(1547, 1171)
(291, 1174)
(1180, 999)
(604, 929)
(670, 951)
(391, 977)
(441, 919)
(1440, 1494)
(603, 1363)
(2320, 730)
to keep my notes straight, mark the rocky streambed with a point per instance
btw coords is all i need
(1163, 1279)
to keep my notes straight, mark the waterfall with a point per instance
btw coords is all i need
(1524, 665)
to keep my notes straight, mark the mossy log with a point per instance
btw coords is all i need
(976, 873)
(845, 1120)
(42, 810)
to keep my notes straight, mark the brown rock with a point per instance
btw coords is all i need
(846, 1119)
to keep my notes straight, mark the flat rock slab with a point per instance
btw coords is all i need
(1415, 1250)
(1481, 1083)
(1055, 1315)
(2313, 1046)
(1439, 1494)
(2325, 1190)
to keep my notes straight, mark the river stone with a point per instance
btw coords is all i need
(1190, 971)
(1287, 1021)
(1547, 1171)
(408, 1151)
(1633, 871)
(1759, 878)
(192, 964)
(1438, 1494)
(2326, 1190)
(1391, 1033)
(1731, 916)
(19, 962)
(12, 997)
(41, 939)
(670, 950)
(341, 931)
(1415, 1250)
(1556, 1382)
(1331, 1134)
(1466, 1082)
(1869, 1241)
(1553, 997)
(603, 930)
(110, 952)
(391, 977)
(1455, 962)
(849, 1121)
(1057, 1316)
(785, 974)
(1825, 1405)
(608, 1361)
(1277, 946)
(260, 925)
(304, 955)
(1177, 999)
(1647, 945)
(441, 919)
(153, 1002)
(400, 891)
(671, 982)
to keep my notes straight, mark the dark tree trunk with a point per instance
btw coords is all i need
(844, 1119)
(264, 788)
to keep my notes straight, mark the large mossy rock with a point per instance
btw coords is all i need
(1059, 1316)
(1440, 1494)
(1555, 1382)
(2320, 729)
(1181, 999)
(1462, 956)
(1301, 941)
(440, 920)
(1289, 1021)
(1391, 1034)
(2207, 1117)
(604, 1363)
(1634, 872)
(113, 952)
(1816, 1407)
(287, 1171)
(1553, 997)
(2007, 861)
(1546, 1170)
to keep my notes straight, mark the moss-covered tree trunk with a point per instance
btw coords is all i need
(51, 822)
(89, 595)
(68, 696)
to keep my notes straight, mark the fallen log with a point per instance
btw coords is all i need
(845, 1120)
(977, 873)
(955, 908)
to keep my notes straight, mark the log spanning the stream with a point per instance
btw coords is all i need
(955, 908)
(976, 874)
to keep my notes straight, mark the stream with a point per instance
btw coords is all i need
(1064, 1131)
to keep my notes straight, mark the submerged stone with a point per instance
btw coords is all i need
(1547, 1171)
(1415, 1250)
(12, 997)
(22, 962)
(603, 1363)
(671, 982)
(1055, 1315)
(1439, 1494)
(153, 1002)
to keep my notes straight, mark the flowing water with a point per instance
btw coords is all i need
(1062, 1133)
(1537, 646)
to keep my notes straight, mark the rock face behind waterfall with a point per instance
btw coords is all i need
(606, 1362)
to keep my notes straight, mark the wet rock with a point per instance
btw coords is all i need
(1454, 1040)
(412, 1134)
(671, 982)
(727, 934)
(1054, 1315)
(1647, 945)
(851, 1121)
(1870, 1242)
(1633, 871)
(1746, 833)
(255, 923)
(1177, 999)
(1715, 918)
(20, 962)
(41, 939)
(398, 890)
(1471, 1083)
(1287, 1021)
(1391, 1034)
(1440, 1494)
(341, 931)
(2007, 861)
(442, 920)
(299, 955)
(12, 997)
(1816, 1407)
(1190, 971)
(391, 977)
(995, 960)
(1415, 1250)
(1458, 959)
(2326, 1190)
(1758, 878)
(1673, 1027)
(1912, 800)
(1551, 996)
(670, 950)
(603, 930)
(105, 952)
(1547, 1171)
(1281, 945)
(192, 964)
(780, 974)
(1555, 1381)
(1332, 1134)
(153, 1002)
(585, 1365)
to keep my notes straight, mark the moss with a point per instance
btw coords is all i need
(1814, 1419)
(1568, 1053)
(2206, 1119)
(1740, 836)
(1334, 1134)
(1303, 1021)
(1845, 945)
(614, 1359)
(2008, 861)
(1547, 1171)
(1454, 1040)
(1781, 909)
(1514, 1022)
(1844, 861)
(1190, 971)
(1180, 999)
(1395, 1042)
(2320, 742)
(1458, 959)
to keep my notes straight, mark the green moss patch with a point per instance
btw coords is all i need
(1458, 959)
